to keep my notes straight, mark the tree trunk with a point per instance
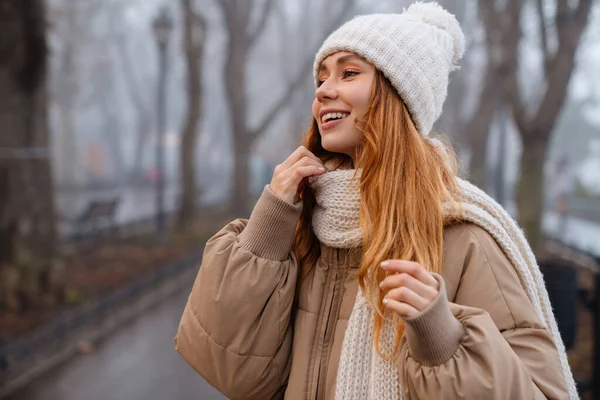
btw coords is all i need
(477, 129)
(111, 130)
(243, 34)
(142, 107)
(570, 22)
(194, 38)
(237, 99)
(240, 203)
(27, 213)
(531, 191)
(68, 170)
(144, 125)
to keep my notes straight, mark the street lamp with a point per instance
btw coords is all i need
(162, 25)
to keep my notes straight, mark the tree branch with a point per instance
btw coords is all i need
(543, 34)
(254, 33)
(490, 18)
(510, 65)
(305, 69)
(228, 10)
(561, 66)
(283, 101)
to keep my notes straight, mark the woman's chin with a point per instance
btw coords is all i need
(334, 146)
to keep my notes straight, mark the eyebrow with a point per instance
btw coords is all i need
(342, 60)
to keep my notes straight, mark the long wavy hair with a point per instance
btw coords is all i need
(404, 220)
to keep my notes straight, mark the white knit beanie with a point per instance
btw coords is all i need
(415, 50)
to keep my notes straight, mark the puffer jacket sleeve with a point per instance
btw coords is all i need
(235, 330)
(488, 342)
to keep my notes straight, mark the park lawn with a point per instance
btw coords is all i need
(98, 268)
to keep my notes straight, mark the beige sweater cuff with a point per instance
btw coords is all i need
(270, 230)
(435, 334)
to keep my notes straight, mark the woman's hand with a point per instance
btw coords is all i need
(288, 175)
(409, 288)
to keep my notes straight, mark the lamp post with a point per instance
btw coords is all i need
(162, 27)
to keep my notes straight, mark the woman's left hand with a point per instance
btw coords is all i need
(409, 287)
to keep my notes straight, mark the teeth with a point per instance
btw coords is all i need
(330, 116)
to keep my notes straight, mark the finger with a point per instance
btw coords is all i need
(305, 161)
(304, 172)
(291, 174)
(405, 280)
(411, 268)
(295, 172)
(298, 154)
(402, 309)
(405, 295)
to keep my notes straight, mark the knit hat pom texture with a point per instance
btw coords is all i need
(436, 15)
(416, 51)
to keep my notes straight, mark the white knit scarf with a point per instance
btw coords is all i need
(362, 373)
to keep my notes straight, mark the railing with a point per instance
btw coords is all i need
(564, 292)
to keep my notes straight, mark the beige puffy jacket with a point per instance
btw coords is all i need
(253, 333)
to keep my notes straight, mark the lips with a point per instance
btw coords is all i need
(331, 118)
(331, 124)
(327, 116)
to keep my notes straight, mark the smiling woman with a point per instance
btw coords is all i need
(368, 269)
(344, 90)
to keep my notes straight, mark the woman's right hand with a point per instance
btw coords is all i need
(288, 175)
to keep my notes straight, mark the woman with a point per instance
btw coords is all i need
(367, 270)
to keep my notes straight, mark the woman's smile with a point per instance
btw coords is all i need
(330, 120)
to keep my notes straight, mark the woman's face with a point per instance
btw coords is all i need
(343, 94)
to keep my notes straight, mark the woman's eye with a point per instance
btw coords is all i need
(350, 73)
(320, 82)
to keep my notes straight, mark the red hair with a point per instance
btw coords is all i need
(399, 221)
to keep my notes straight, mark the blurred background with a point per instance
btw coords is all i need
(132, 130)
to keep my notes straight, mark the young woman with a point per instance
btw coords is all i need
(367, 269)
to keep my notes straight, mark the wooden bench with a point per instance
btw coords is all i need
(96, 217)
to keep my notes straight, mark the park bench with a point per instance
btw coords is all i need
(98, 216)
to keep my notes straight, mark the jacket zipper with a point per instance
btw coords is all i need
(325, 328)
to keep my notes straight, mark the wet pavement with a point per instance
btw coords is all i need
(138, 362)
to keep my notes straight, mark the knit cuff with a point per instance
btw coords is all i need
(270, 230)
(435, 334)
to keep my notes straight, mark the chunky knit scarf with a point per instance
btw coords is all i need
(362, 373)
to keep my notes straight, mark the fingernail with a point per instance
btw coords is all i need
(385, 300)
(381, 284)
(385, 264)
(321, 169)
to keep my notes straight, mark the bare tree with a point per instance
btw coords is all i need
(458, 116)
(82, 78)
(536, 122)
(27, 213)
(243, 33)
(194, 37)
(140, 102)
(104, 96)
(477, 128)
(66, 29)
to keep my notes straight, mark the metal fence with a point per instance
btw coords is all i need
(566, 295)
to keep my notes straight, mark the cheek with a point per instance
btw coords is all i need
(360, 100)
(315, 108)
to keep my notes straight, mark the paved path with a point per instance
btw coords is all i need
(138, 362)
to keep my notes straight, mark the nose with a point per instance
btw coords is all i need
(327, 91)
